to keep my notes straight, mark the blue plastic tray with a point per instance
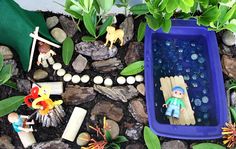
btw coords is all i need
(218, 108)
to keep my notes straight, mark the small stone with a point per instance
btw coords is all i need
(52, 21)
(40, 74)
(113, 127)
(6, 52)
(108, 109)
(69, 26)
(98, 80)
(61, 72)
(58, 34)
(107, 65)
(108, 82)
(85, 79)
(67, 77)
(55, 144)
(229, 38)
(141, 89)
(229, 66)
(130, 80)
(134, 52)
(137, 109)
(128, 27)
(174, 144)
(57, 66)
(135, 132)
(5, 142)
(121, 80)
(139, 78)
(83, 139)
(23, 85)
(135, 146)
(76, 79)
(79, 63)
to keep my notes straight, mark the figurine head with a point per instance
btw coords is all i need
(178, 92)
(13, 117)
(111, 29)
(43, 47)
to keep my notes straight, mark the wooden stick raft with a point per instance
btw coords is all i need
(186, 117)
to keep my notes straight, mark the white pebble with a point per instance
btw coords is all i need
(56, 66)
(121, 80)
(61, 72)
(76, 79)
(85, 78)
(130, 80)
(108, 82)
(98, 80)
(67, 77)
(139, 78)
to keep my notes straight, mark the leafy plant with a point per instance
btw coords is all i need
(133, 69)
(151, 140)
(10, 104)
(208, 146)
(67, 50)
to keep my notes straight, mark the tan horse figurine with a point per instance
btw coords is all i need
(113, 35)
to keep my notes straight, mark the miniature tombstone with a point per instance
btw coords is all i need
(113, 35)
(45, 55)
(21, 126)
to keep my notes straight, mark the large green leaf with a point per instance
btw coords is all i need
(10, 104)
(141, 31)
(163, 5)
(88, 23)
(166, 25)
(104, 26)
(67, 50)
(210, 15)
(133, 69)
(106, 5)
(1, 61)
(139, 9)
(228, 15)
(120, 139)
(171, 5)
(153, 22)
(5, 73)
(223, 10)
(208, 146)
(151, 140)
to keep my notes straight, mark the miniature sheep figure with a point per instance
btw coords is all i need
(113, 35)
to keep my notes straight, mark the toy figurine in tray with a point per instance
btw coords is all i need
(179, 110)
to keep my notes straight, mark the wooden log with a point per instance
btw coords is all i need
(56, 87)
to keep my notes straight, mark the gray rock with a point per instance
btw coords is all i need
(107, 65)
(40, 74)
(135, 132)
(128, 27)
(134, 53)
(229, 38)
(135, 146)
(52, 21)
(229, 66)
(233, 98)
(107, 109)
(58, 34)
(138, 110)
(96, 50)
(23, 85)
(79, 63)
(75, 95)
(123, 93)
(175, 144)
(113, 127)
(69, 26)
(6, 52)
(15, 70)
(55, 144)
(5, 142)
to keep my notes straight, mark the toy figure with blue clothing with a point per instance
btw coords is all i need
(175, 103)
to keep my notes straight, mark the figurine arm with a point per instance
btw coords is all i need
(168, 101)
(39, 59)
(182, 105)
(52, 52)
(24, 116)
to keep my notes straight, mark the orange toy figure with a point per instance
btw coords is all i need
(45, 55)
(113, 35)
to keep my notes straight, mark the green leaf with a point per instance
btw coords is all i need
(120, 139)
(67, 50)
(210, 15)
(231, 27)
(133, 68)
(228, 15)
(233, 112)
(184, 7)
(11, 84)
(1, 61)
(88, 23)
(106, 5)
(223, 10)
(121, 5)
(151, 140)
(188, 3)
(10, 104)
(96, 6)
(166, 25)
(68, 3)
(163, 5)
(88, 38)
(5, 73)
(171, 5)
(208, 146)
(141, 31)
(153, 22)
(108, 136)
(104, 26)
(139, 9)
(74, 14)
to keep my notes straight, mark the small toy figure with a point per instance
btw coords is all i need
(175, 103)
(20, 123)
(45, 55)
(113, 35)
